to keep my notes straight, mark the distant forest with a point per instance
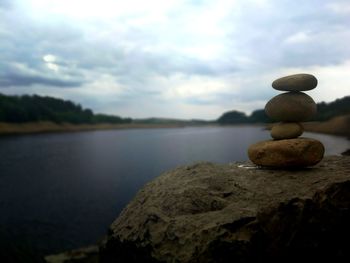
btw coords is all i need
(325, 111)
(19, 109)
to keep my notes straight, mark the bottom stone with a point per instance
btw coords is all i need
(299, 152)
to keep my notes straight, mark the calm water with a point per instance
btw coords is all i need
(61, 191)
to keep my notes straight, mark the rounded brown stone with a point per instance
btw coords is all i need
(296, 82)
(291, 107)
(299, 152)
(286, 130)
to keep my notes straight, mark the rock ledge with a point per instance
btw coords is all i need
(236, 213)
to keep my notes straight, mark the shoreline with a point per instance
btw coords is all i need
(8, 129)
(339, 126)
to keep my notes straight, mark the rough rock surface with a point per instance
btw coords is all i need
(286, 130)
(236, 213)
(81, 255)
(296, 82)
(291, 107)
(299, 152)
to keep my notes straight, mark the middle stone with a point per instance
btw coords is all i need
(286, 130)
(291, 107)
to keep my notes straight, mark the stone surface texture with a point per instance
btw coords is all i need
(286, 130)
(299, 152)
(297, 82)
(291, 107)
(236, 213)
(82, 255)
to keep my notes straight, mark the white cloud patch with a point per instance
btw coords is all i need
(49, 58)
(50, 62)
(199, 87)
(342, 7)
(298, 38)
(52, 66)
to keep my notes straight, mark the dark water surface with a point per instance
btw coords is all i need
(61, 191)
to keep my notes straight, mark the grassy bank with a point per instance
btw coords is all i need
(338, 126)
(47, 127)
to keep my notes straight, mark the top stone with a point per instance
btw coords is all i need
(297, 82)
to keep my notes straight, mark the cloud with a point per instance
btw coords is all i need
(14, 79)
(298, 38)
(49, 58)
(21, 75)
(5, 3)
(182, 57)
(340, 7)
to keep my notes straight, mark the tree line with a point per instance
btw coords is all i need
(325, 111)
(34, 108)
(26, 108)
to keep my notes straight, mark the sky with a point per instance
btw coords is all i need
(172, 58)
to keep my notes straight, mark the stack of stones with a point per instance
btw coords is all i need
(286, 150)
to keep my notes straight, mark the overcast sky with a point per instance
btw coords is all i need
(172, 58)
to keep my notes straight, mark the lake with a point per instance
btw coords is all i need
(62, 191)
